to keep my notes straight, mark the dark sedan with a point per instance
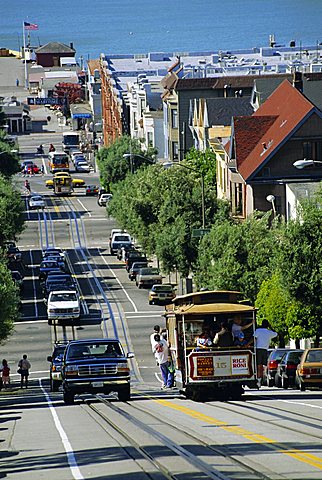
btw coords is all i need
(286, 370)
(272, 364)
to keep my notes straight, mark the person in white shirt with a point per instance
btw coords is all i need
(161, 353)
(263, 337)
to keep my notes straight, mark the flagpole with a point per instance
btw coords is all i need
(24, 53)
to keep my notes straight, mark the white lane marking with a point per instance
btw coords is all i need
(25, 322)
(30, 374)
(83, 206)
(67, 446)
(301, 403)
(144, 316)
(44, 164)
(118, 281)
(33, 283)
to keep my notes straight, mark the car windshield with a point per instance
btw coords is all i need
(138, 266)
(36, 199)
(294, 356)
(314, 356)
(149, 271)
(122, 238)
(59, 352)
(277, 354)
(48, 265)
(162, 288)
(98, 350)
(64, 297)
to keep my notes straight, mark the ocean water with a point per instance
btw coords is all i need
(125, 26)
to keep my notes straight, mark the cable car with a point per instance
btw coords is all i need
(62, 184)
(206, 367)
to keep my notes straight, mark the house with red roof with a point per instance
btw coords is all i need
(263, 147)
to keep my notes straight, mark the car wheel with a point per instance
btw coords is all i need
(278, 382)
(124, 394)
(270, 382)
(69, 398)
(285, 383)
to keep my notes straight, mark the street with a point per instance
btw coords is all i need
(270, 434)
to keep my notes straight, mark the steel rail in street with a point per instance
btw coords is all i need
(185, 431)
(175, 448)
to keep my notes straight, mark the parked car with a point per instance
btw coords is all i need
(122, 253)
(82, 167)
(286, 370)
(135, 268)
(134, 256)
(161, 294)
(147, 277)
(91, 190)
(309, 370)
(36, 201)
(76, 154)
(114, 230)
(46, 267)
(96, 366)
(26, 163)
(63, 305)
(56, 360)
(120, 240)
(272, 363)
(104, 199)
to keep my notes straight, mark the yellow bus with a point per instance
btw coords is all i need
(62, 183)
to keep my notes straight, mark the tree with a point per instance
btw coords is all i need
(9, 161)
(11, 212)
(161, 207)
(114, 166)
(238, 256)
(9, 301)
(273, 303)
(300, 260)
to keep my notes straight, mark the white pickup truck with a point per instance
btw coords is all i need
(120, 240)
(148, 276)
(63, 305)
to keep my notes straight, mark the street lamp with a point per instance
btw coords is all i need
(300, 164)
(170, 164)
(131, 155)
(271, 199)
(11, 151)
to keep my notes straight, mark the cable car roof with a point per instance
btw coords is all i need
(211, 308)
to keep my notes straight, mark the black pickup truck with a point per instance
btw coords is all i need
(96, 366)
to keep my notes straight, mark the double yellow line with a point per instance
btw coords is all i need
(299, 455)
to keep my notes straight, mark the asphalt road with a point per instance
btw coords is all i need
(271, 434)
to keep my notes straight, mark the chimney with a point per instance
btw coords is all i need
(71, 45)
(298, 81)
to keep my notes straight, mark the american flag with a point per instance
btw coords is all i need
(30, 26)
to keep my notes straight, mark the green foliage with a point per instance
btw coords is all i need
(237, 256)
(273, 303)
(9, 301)
(9, 162)
(11, 212)
(160, 207)
(300, 260)
(114, 167)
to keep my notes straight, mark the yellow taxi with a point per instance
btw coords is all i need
(309, 370)
(76, 182)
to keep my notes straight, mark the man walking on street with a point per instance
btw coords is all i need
(23, 368)
(161, 352)
(263, 337)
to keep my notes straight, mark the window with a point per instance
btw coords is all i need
(174, 150)
(307, 150)
(150, 139)
(174, 118)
